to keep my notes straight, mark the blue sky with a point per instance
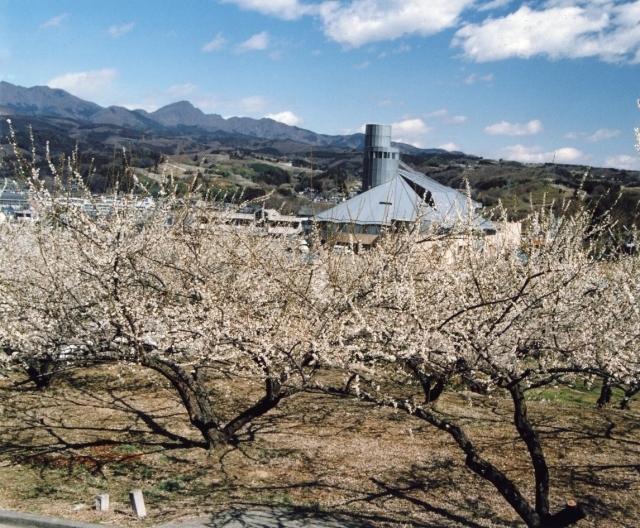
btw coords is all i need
(495, 78)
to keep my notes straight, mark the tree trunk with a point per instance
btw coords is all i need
(272, 397)
(532, 440)
(432, 385)
(605, 393)
(485, 469)
(198, 404)
(194, 397)
(569, 515)
(41, 372)
(628, 394)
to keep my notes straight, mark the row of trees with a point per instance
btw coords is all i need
(180, 292)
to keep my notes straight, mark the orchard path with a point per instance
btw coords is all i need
(268, 518)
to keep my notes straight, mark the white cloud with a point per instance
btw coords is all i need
(606, 29)
(514, 129)
(362, 21)
(286, 9)
(349, 131)
(87, 85)
(118, 31)
(494, 4)
(534, 154)
(180, 91)
(362, 65)
(56, 21)
(438, 113)
(217, 43)
(623, 162)
(447, 119)
(410, 131)
(404, 48)
(561, 29)
(449, 146)
(568, 155)
(602, 134)
(253, 104)
(286, 117)
(599, 135)
(474, 78)
(455, 120)
(258, 42)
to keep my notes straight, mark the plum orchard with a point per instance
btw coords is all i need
(493, 321)
(176, 289)
(179, 299)
(172, 288)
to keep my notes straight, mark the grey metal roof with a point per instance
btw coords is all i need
(389, 202)
(12, 196)
(406, 197)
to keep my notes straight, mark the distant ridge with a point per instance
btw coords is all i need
(42, 101)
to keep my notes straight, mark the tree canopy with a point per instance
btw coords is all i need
(174, 286)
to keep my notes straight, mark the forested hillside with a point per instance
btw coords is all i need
(232, 166)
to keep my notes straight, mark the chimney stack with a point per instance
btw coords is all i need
(380, 158)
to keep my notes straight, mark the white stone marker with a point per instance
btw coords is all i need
(102, 502)
(137, 501)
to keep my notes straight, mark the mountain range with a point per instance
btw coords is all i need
(65, 122)
(42, 101)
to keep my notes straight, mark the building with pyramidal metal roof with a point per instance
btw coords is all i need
(395, 194)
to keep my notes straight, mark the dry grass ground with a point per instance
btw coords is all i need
(93, 432)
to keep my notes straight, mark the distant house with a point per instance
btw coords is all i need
(15, 204)
(13, 200)
(235, 218)
(25, 215)
(285, 225)
(270, 220)
(281, 225)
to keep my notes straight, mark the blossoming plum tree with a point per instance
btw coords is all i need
(173, 288)
(496, 321)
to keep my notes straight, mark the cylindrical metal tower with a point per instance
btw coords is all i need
(380, 158)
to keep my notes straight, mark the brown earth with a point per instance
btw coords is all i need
(102, 431)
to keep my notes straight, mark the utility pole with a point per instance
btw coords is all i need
(313, 210)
